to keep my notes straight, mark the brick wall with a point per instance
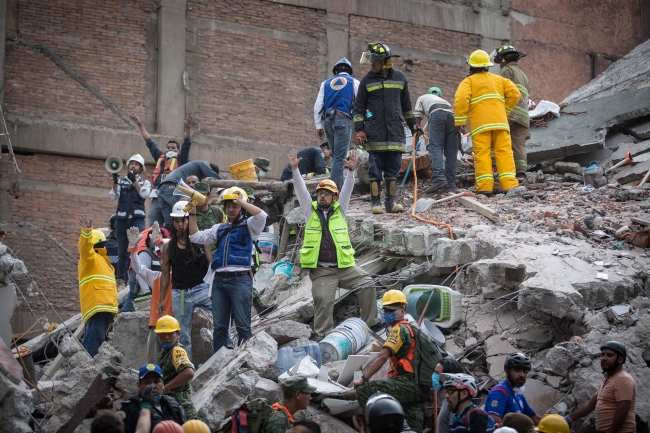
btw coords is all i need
(255, 87)
(103, 42)
(426, 73)
(558, 37)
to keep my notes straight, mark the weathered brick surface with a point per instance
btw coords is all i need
(101, 41)
(558, 36)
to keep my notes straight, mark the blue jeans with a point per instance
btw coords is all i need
(231, 295)
(155, 213)
(384, 164)
(443, 139)
(196, 297)
(121, 227)
(133, 289)
(337, 131)
(167, 200)
(95, 331)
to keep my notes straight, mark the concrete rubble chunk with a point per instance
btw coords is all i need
(639, 127)
(201, 337)
(558, 361)
(599, 294)
(265, 388)
(634, 149)
(569, 167)
(534, 339)
(598, 322)
(130, 333)
(15, 396)
(503, 273)
(496, 346)
(326, 422)
(539, 396)
(285, 331)
(630, 173)
(69, 346)
(277, 284)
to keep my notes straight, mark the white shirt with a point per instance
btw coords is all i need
(318, 106)
(424, 103)
(145, 189)
(255, 226)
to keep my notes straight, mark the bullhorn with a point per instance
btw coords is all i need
(114, 164)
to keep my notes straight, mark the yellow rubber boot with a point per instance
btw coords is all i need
(375, 196)
(391, 191)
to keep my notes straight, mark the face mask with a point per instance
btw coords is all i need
(166, 346)
(390, 318)
(520, 389)
(261, 174)
(158, 397)
(435, 380)
(170, 154)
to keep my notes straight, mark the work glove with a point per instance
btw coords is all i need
(134, 236)
(130, 175)
(361, 138)
(115, 178)
(148, 400)
(155, 236)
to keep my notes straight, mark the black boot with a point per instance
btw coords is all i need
(391, 191)
(262, 309)
(375, 195)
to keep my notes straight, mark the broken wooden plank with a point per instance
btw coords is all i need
(480, 208)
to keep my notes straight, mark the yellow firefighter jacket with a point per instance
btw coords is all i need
(97, 289)
(484, 100)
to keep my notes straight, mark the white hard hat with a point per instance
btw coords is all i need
(137, 158)
(177, 210)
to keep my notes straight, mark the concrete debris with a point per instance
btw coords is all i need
(634, 149)
(630, 173)
(268, 389)
(201, 337)
(326, 422)
(285, 331)
(558, 361)
(129, 337)
(15, 397)
(568, 167)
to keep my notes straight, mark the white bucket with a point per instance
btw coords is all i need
(344, 340)
(268, 243)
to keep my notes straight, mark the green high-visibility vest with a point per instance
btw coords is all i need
(338, 228)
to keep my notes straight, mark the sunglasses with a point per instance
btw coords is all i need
(451, 391)
(389, 310)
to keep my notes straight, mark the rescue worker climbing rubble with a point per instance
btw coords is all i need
(507, 57)
(399, 348)
(177, 369)
(97, 288)
(382, 106)
(328, 254)
(484, 100)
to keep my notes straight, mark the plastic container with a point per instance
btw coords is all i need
(244, 170)
(283, 268)
(287, 356)
(24, 358)
(417, 299)
(268, 243)
(344, 340)
(451, 303)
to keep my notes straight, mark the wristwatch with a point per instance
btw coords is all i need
(364, 378)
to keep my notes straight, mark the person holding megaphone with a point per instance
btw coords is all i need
(130, 192)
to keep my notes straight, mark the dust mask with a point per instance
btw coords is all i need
(171, 154)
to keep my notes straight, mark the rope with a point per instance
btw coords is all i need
(415, 197)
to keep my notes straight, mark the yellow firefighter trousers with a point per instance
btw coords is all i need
(497, 140)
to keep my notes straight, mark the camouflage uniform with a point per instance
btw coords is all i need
(276, 422)
(280, 420)
(172, 362)
(411, 396)
(205, 220)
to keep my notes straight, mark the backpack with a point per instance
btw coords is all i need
(491, 425)
(427, 355)
(249, 418)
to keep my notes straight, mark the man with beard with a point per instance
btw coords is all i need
(508, 395)
(615, 400)
(188, 262)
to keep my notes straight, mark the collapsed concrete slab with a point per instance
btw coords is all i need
(285, 331)
(326, 422)
(129, 336)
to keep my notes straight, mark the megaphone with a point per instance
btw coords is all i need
(192, 196)
(114, 164)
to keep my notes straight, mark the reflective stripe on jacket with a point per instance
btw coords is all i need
(484, 100)
(519, 114)
(97, 289)
(338, 231)
(404, 365)
(129, 204)
(168, 165)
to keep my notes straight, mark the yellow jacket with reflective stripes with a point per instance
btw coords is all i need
(97, 289)
(519, 114)
(484, 100)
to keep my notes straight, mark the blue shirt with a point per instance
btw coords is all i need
(502, 400)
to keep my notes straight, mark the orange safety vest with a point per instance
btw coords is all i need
(278, 406)
(170, 165)
(405, 363)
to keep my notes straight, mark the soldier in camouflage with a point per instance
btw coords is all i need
(207, 215)
(399, 349)
(297, 394)
(176, 366)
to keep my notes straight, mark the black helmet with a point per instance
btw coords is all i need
(384, 414)
(616, 347)
(111, 221)
(517, 360)
(507, 53)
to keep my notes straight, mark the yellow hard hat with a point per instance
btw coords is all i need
(329, 185)
(229, 194)
(552, 423)
(196, 426)
(167, 324)
(393, 297)
(479, 59)
(98, 236)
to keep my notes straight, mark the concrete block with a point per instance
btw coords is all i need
(277, 284)
(496, 346)
(16, 403)
(285, 331)
(130, 333)
(326, 422)
(69, 346)
(634, 149)
(539, 396)
(495, 367)
(265, 388)
(639, 127)
(558, 361)
(568, 167)
(631, 173)
(394, 239)
(492, 275)
(534, 340)
(447, 253)
(599, 294)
